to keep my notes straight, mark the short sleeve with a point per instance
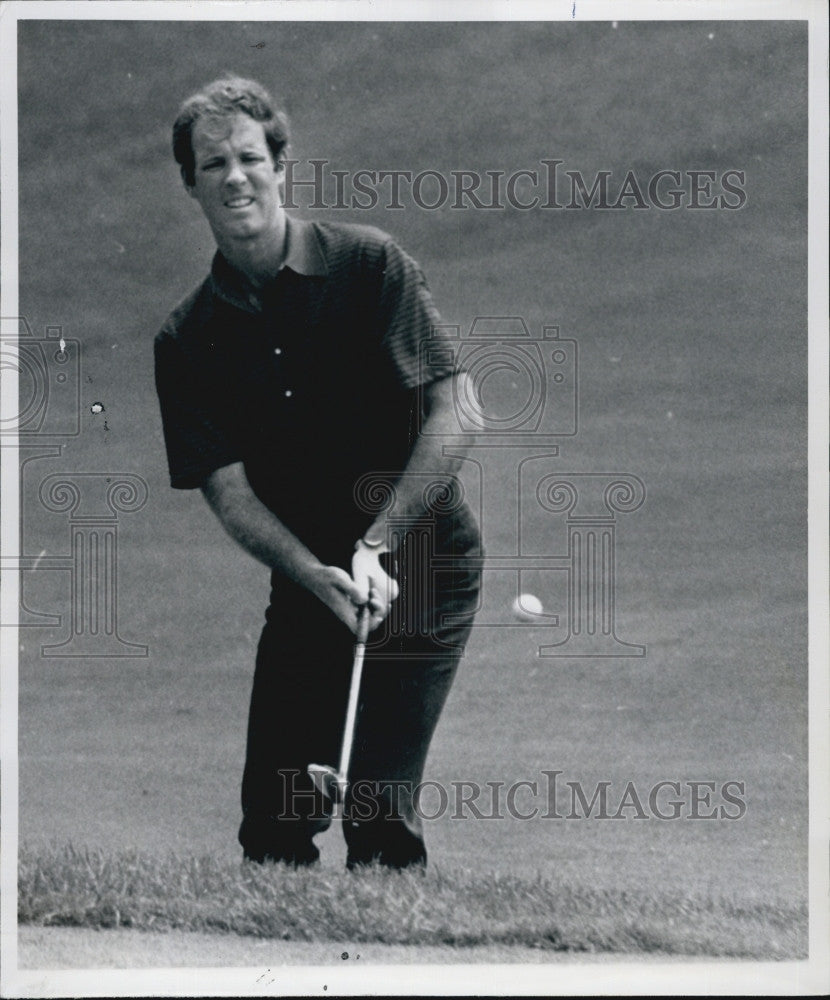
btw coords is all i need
(197, 438)
(410, 323)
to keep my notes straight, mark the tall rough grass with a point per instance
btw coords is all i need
(85, 888)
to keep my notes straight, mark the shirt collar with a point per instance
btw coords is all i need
(304, 255)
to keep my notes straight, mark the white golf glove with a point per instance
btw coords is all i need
(378, 588)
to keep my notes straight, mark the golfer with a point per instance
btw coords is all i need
(296, 396)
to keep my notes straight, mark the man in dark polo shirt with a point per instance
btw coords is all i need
(290, 383)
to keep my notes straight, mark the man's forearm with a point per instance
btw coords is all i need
(257, 529)
(264, 536)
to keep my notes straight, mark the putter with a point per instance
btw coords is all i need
(329, 782)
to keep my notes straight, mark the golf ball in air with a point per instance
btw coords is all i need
(526, 607)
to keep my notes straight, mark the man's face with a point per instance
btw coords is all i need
(236, 181)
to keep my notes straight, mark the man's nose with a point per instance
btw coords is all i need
(235, 174)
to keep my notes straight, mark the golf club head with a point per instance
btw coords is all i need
(326, 781)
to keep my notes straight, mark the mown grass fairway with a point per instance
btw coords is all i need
(692, 339)
(458, 908)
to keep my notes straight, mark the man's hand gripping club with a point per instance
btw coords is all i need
(368, 585)
(375, 585)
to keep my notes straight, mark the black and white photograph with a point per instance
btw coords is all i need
(414, 499)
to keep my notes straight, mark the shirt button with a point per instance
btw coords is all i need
(277, 350)
(288, 393)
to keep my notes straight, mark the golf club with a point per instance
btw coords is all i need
(329, 782)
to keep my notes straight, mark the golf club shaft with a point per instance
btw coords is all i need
(354, 693)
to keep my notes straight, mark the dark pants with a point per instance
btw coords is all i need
(298, 707)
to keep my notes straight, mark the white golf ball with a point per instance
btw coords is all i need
(526, 607)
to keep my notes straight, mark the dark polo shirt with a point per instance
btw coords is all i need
(310, 381)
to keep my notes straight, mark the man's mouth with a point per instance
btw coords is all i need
(241, 202)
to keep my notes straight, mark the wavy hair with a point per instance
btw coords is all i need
(224, 98)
